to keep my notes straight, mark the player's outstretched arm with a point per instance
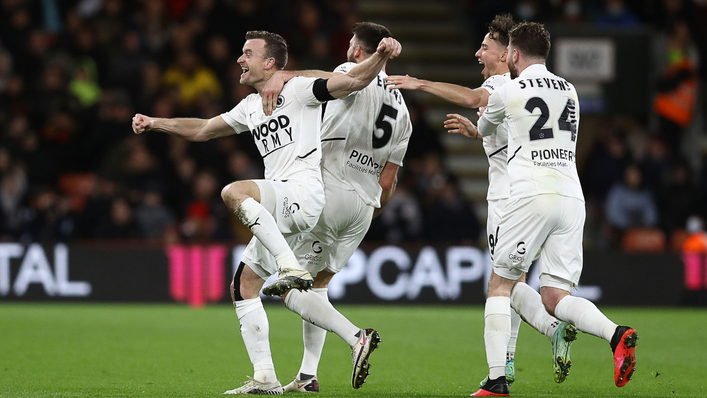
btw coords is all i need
(388, 181)
(459, 95)
(189, 129)
(274, 85)
(363, 73)
(458, 124)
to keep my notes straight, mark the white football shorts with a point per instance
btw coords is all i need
(296, 206)
(340, 230)
(548, 225)
(495, 211)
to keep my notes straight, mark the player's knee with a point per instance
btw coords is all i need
(228, 195)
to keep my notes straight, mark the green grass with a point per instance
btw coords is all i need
(77, 350)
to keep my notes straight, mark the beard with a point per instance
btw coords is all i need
(512, 69)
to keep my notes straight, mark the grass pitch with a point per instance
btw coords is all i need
(80, 350)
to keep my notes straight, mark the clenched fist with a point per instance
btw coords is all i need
(389, 47)
(142, 123)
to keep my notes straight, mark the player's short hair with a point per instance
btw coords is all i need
(499, 28)
(531, 38)
(275, 46)
(369, 35)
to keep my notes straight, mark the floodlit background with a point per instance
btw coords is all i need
(92, 214)
(73, 73)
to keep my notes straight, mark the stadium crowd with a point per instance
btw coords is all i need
(74, 72)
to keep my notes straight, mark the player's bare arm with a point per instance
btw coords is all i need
(458, 124)
(274, 85)
(343, 84)
(388, 181)
(187, 128)
(459, 95)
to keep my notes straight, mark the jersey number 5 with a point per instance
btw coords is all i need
(567, 120)
(382, 124)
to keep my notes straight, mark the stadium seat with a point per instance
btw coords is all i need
(644, 240)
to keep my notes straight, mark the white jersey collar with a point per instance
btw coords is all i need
(534, 69)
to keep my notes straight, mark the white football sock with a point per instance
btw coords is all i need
(515, 327)
(314, 338)
(255, 330)
(318, 311)
(528, 303)
(497, 332)
(583, 314)
(262, 224)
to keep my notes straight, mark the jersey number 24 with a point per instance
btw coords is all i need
(567, 120)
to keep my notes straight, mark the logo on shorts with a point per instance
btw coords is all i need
(521, 248)
(280, 101)
(515, 258)
(316, 247)
(289, 209)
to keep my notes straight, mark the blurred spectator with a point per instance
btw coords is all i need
(206, 211)
(629, 205)
(450, 218)
(12, 190)
(679, 198)
(84, 85)
(219, 58)
(51, 218)
(675, 103)
(125, 65)
(695, 244)
(120, 223)
(617, 14)
(240, 167)
(153, 217)
(401, 221)
(605, 166)
(319, 55)
(191, 78)
(96, 212)
(655, 164)
(425, 139)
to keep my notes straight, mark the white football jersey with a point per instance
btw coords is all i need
(541, 114)
(360, 133)
(496, 148)
(288, 140)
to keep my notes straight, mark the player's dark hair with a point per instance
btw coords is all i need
(369, 35)
(275, 46)
(532, 39)
(499, 28)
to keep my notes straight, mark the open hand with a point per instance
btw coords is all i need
(402, 82)
(458, 124)
(271, 91)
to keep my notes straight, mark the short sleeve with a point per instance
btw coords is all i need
(398, 153)
(236, 117)
(492, 83)
(304, 91)
(345, 67)
(493, 115)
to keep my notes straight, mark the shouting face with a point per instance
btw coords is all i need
(491, 54)
(254, 62)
